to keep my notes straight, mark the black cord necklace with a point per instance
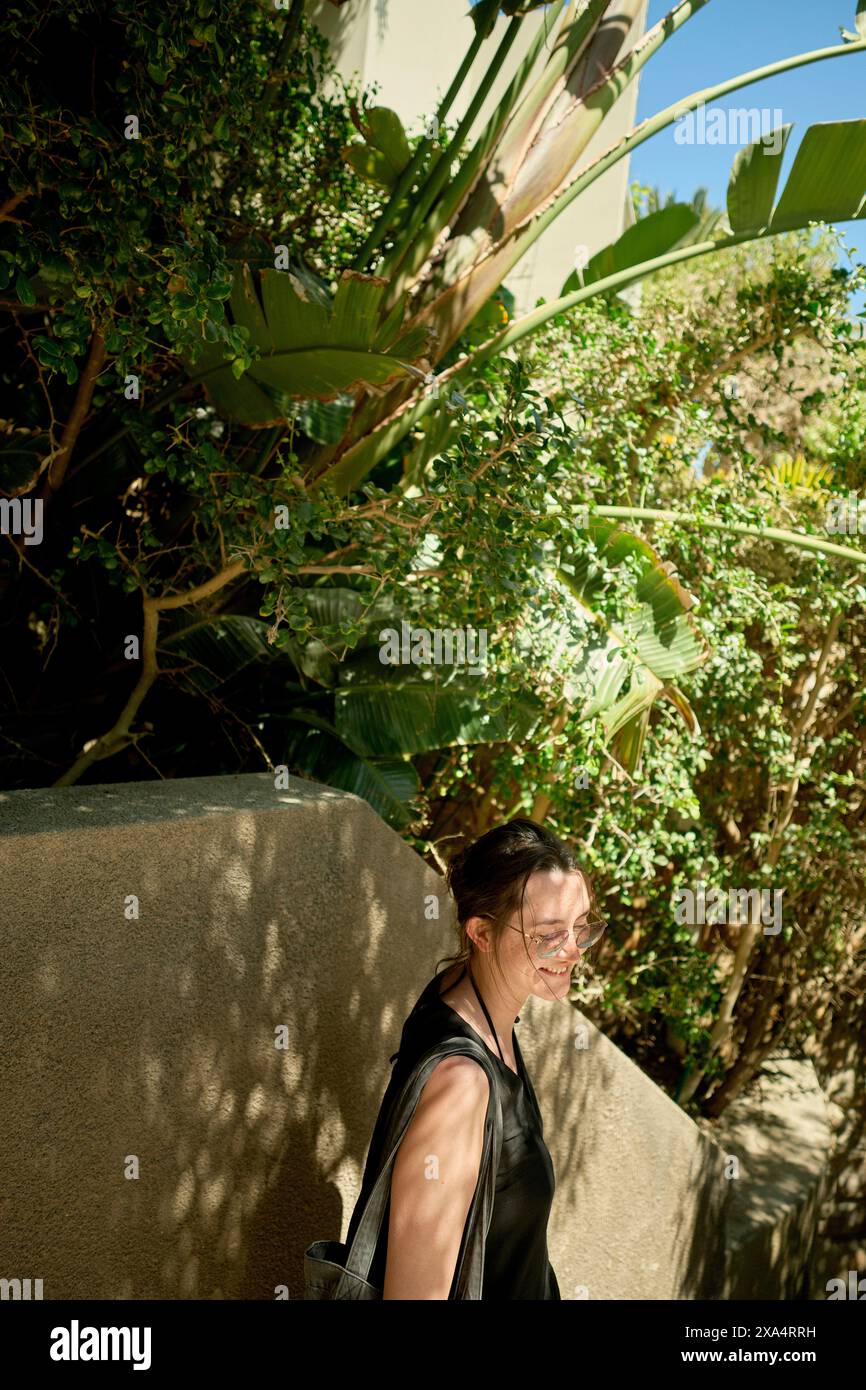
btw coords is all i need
(486, 1014)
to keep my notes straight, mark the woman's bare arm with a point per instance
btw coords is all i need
(433, 1180)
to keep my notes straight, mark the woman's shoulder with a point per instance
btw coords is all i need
(430, 1002)
(429, 1022)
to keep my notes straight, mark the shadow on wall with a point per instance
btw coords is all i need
(641, 1192)
(154, 1036)
(159, 940)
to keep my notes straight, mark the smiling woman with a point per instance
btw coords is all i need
(512, 882)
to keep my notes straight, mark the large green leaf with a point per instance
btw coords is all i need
(438, 432)
(387, 718)
(383, 155)
(336, 607)
(325, 422)
(217, 649)
(659, 629)
(390, 785)
(650, 236)
(753, 182)
(828, 180)
(308, 349)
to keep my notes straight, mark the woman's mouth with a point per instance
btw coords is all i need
(561, 970)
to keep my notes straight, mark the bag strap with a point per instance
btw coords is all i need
(469, 1272)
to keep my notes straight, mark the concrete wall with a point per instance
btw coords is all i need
(413, 48)
(779, 1134)
(153, 1037)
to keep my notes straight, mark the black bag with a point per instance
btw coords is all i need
(332, 1271)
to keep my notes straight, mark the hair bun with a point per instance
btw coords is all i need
(456, 864)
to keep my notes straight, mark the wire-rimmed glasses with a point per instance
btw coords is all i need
(586, 933)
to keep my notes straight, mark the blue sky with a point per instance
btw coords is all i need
(733, 36)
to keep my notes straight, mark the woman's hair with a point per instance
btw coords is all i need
(488, 878)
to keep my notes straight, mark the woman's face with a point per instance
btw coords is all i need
(554, 900)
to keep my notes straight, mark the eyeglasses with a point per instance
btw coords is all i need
(586, 934)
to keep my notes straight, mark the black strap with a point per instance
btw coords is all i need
(486, 1015)
(468, 1277)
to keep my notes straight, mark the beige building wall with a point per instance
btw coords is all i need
(413, 48)
(157, 1143)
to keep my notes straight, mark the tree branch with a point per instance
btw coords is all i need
(57, 468)
(119, 736)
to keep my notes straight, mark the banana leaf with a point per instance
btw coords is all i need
(416, 716)
(619, 672)
(383, 155)
(650, 236)
(390, 785)
(308, 349)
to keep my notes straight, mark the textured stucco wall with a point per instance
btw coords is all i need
(155, 1038)
(780, 1135)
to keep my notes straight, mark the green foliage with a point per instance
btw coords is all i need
(151, 245)
(646, 393)
(383, 154)
(144, 171)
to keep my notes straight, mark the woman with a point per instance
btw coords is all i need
(525, 916)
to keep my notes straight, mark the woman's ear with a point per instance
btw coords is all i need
(479, 930)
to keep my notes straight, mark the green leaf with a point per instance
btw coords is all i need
(627, 731)
(828, 179)
(218, 649)
(24, 290)
(418, 716)
(651, 236)
(54, 269)
(384, 155)
(659, 628)
(370, 164)
(753, 181)
(439, 432)
(325, 421)
(308, 349)
(390, 785)
(385, 131)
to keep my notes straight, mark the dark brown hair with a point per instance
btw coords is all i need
(488, 879)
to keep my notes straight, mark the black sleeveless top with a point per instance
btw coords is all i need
(516, 1263)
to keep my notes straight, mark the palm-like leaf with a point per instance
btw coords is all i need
(416, 716)
(826, 184)
(650, 236)
(659, 630)
(309, 348)
(390, 785)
